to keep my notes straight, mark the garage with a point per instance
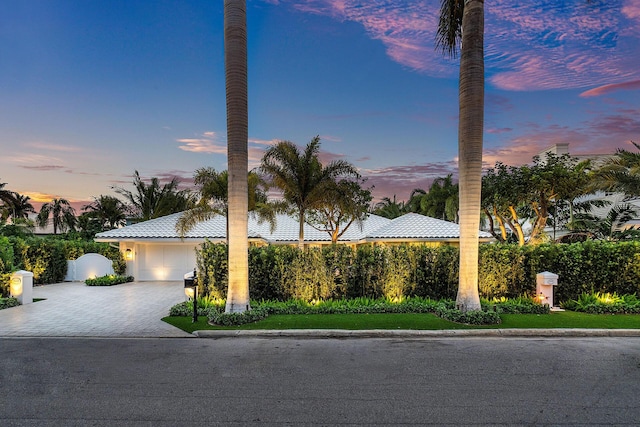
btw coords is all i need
(160, 262)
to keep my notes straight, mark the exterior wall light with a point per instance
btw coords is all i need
(128, 255)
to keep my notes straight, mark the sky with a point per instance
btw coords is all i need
(91, 91)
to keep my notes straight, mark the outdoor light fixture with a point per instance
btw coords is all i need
(191, 290)
(128, 255)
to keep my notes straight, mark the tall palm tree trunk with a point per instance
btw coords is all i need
(235, 56)
(301, 230)
(470, 129)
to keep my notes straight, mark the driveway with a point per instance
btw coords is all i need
(76, 310)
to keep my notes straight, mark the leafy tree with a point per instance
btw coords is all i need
(235, 59)
(153, 200)
(389, 208)
(304, 181)
(63, 216)
(108, 211)
(462, 24)
(345, 203)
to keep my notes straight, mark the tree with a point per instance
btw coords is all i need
(235, 58)
(6, 201)
(108, 211)
(154, 200)
(441, 201)
(389, 208)
(620, 173)
(302, 178)
(513, 195)
(63, 216)
(463, 22)
(22, 207)
(344, 204)
(611, 227)
(214, 200)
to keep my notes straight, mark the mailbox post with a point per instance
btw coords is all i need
(21, 286)
(545, 282)
(191, 290)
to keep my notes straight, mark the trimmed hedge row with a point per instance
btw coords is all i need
(47, 258)
(108, 280)
(335, 272)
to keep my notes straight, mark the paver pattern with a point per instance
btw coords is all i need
(75, 310)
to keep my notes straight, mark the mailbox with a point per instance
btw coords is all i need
(545, 282)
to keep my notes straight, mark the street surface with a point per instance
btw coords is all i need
(319, 382)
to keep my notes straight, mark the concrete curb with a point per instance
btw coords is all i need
(449, 333)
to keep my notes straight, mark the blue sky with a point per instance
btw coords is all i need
(93, 90)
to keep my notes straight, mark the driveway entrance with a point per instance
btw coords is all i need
(74, 309)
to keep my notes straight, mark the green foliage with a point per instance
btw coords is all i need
(6, 265)
(518, 305)
(605, 303)
(474, 317)
(234, 319)
(337, 272)
(307, 277)
(108, 280)
(212, 261)
(47, 257)
(8, 303)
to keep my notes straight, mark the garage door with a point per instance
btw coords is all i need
(165, 262)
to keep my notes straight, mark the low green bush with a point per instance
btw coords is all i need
(604, 303)
(108, 280)
(518, 305)
(445, 309)
(8, 303)
(477, 317)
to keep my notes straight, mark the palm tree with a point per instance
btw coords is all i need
(109, 211)
(302, 178)
(22, 207)
(390, 208)
(7, 201)
(153, 200)
(464, 22)
(63, 216)
(214, 200)
(620, 173)
(235, 59)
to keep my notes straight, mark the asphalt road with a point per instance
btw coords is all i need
(254, 381)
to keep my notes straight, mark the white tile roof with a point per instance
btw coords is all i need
(375, 228)
(287, 230)
(413, 226)
(165, 228)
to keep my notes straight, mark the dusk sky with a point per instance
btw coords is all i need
(93, 90)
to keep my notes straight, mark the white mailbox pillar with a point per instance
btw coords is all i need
(21, 286)
(545, 282)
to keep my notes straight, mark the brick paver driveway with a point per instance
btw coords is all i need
(76, 310)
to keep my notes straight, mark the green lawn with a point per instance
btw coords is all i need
(565, 319)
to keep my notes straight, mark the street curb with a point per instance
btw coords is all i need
(405, 333)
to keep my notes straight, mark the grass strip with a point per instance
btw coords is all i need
(417, 321)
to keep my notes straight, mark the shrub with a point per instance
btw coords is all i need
(604, 303)
(478, 317)
(108, 280)
(8, 303)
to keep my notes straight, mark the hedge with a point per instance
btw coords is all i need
(334, 272)
(47, 258)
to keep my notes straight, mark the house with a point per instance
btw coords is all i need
(154, 251)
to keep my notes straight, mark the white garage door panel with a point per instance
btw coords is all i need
(165, 262)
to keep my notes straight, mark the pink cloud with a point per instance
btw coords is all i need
(529, 45)
(602, 90)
